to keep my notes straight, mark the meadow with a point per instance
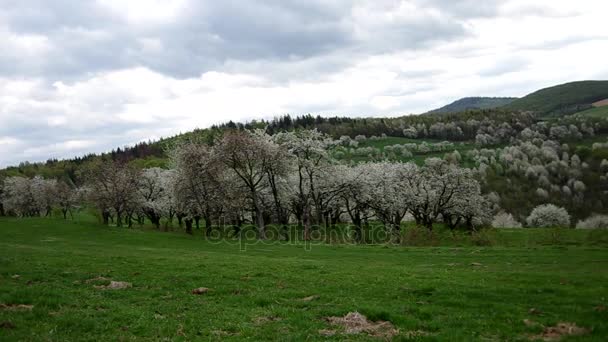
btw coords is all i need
(511, 287)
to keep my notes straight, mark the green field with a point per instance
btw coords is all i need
(418, 157)
(597, 112)
(260, 293)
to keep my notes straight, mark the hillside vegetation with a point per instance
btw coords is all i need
(562, 99)
(596, 112)
(518, 161)
(471, 103)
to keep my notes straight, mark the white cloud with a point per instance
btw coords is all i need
(146, 11)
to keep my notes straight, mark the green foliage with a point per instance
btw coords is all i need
(563, 99)
(472, 103)
(597, 112)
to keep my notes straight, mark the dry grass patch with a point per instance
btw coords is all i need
(114, 285)
(356, 323)
(16, 307)
(560, 330)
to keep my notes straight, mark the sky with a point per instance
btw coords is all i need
(86, 76)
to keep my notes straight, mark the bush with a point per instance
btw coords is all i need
(548, 215)
(505, 220)
(593, 222)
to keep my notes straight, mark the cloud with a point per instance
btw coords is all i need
(505, 65)
(186, 38)
(92, 75)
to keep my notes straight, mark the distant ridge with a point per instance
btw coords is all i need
(469, 103)
(562, 99)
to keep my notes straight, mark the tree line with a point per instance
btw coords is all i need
(261, 179)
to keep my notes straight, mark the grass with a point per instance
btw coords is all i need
(418, 157)
(597, 113)
(256, 294)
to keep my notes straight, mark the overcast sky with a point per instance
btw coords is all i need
(80, 76)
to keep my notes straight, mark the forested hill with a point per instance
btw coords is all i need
(562, 99)
(463, 126)
(471, 103)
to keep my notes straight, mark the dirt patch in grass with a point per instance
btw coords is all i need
(266, 319)
(16, 307)
(416, 333)
(356, 323)
(560, 330)
(200, 291)
(309, 298)
(114, 285)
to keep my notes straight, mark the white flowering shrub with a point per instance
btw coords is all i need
(505, 220)
(548, 215)
(593, 222)
(542, 193)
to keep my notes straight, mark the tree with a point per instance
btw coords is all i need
(548, 215)
(388, 192)
(113, 188)
(277, 169)
(439, 188)
(156, 194)
(197, 186)
(353, 196)
(593, 222)
(66, 198)
(311, 158)
(46, 190)
(2, 213)
(248, 158)
(20, 197)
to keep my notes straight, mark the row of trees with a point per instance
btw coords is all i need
(36, 196)
(289, 177)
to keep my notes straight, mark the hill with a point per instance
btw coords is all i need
(469, 103)
(562, 99)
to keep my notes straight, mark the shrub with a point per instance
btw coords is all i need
(593, 222)
(505, 220)
(548, 215)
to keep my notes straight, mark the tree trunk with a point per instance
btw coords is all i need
(237, 226)
(118, 218)
(358, 230)
(188, 226)
(306, 219)
(397, 227)
(208, 225)
(259, 217)
(106, 217)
